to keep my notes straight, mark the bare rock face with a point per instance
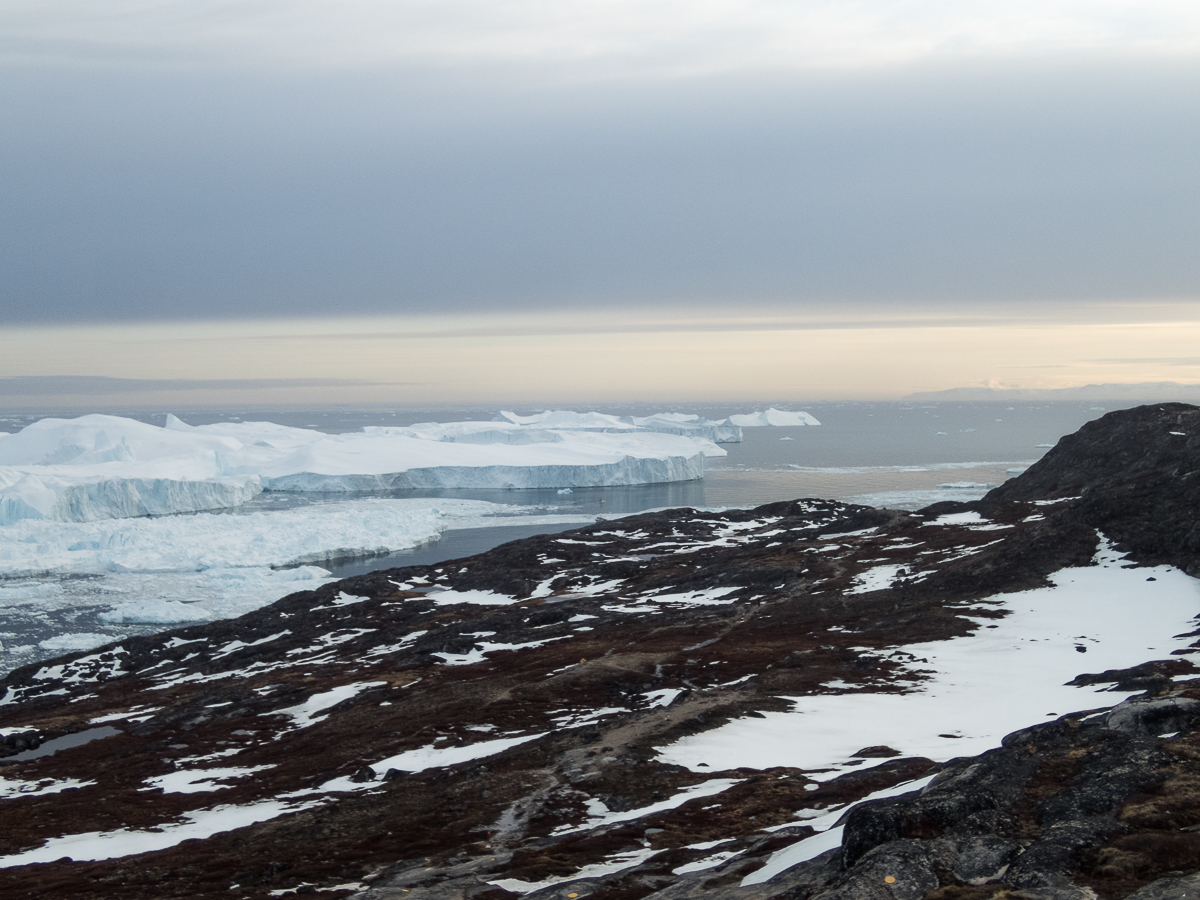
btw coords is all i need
(1136, 476)
(1058, 806)
(502, 725)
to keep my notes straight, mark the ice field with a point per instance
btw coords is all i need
(112, 526)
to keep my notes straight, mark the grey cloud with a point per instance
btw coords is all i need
(130, 197)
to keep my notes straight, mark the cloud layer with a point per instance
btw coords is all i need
(197, 195)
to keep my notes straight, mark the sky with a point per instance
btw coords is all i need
(594, 201)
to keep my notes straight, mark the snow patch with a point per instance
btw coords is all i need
(982, 686)
(308, 712)
(430, 757)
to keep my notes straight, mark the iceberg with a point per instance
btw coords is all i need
(106, 467)
(88, 497)
(155, 612)
(772, 416)
(99, 467)
(85, 640)
(683, 424)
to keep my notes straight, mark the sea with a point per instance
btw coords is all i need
(901, 455)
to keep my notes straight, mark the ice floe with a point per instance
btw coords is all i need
(79, 640)
(154, 612)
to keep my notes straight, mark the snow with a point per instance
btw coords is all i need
(702, 597)
(875, 579)
(193, 781)
(478, 598)
(982, 686)
(235, 645)
(661, 697)
(430, 757)
(600, 814)
(829, 836)
(708, 862)
(98, 466)
(343, 599)
(95, 845)
(483, 648)
(307, 713)
(962, 518)
(616, 863)
(14, 788)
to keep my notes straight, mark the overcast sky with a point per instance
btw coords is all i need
(209, 161)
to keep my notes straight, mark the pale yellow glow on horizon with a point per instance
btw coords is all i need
(548, 358)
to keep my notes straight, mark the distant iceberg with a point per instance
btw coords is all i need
(721, 432)
(100, 467)
(777, 417)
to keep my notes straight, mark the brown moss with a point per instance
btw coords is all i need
(1173, 804)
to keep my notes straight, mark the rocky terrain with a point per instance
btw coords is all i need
(668, 705)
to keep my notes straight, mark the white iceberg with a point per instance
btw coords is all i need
(684, 424)
(103, 467)
(155, 612)
(214, 541)
(84, 640)
(779, 418)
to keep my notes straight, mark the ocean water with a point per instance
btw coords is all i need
(902, 455)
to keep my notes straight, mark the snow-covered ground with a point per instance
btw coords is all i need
(980, 687)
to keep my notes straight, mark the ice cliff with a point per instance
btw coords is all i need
(101, 467)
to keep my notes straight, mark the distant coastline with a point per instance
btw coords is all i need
(1148, 391)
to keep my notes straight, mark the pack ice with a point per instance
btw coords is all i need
(100, 467)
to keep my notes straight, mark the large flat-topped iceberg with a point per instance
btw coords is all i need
(390, 459)
(98, 466)
(722, 432)
(778, 417)
(728, 430)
